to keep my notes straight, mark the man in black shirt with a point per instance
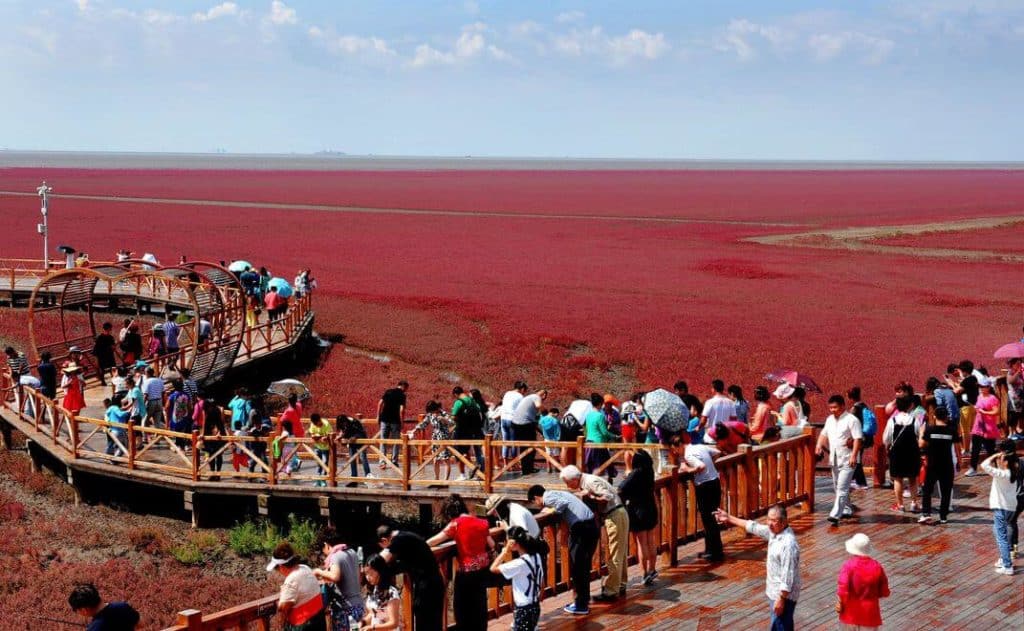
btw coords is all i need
(390, 413)
(411, 555)
(965, 384)
(117, 616)
(939, 444)
(692, 402)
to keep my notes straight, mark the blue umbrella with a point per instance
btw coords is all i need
(283, 288)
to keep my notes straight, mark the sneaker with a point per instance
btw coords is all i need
(573, 611)
(1006, 571)
(370, 476)
(649, 578)
(998, 563)
(943, 521)
(833, 520)
(859, 487)
(906, 492)
(847, 513)
(896, 508)
(460, 478)
(971, 472)
(924, 519)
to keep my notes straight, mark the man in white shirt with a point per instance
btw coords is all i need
(718, 409)
(842, 437)
(524, 424)
(508, 409)
(782, 578)
(699, 460)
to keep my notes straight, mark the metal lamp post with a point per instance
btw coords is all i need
(44, 192)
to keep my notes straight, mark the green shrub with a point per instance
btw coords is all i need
(254, 537)
(198, 548)
(251, 538)
(302, 534)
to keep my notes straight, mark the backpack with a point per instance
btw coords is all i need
(469, 421)
(868, 422)
(181, 408)
(569, 424)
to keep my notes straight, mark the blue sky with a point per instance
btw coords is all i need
(779, 79)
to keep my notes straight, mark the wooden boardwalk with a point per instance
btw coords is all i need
(941, 576)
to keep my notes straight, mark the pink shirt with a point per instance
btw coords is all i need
(986, 425)
(862, 582)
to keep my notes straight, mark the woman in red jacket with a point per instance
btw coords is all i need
(862, 582)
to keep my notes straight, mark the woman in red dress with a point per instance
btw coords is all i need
(73, 385)
(862, 582)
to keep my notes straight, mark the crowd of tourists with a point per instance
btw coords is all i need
(925, 437)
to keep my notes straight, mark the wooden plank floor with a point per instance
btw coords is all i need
(941, 576)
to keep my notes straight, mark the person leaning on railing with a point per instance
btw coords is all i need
(410, 554)
(473, 544)
(300, 606)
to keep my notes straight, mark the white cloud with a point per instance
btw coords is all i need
(870, 49)
(619, 49)
(281, 13)
(569, 16)
(426, 55)
(638, 43)
(472, 43)
(352, 45)
(525, 28)
(160, 18)
(743, 38)
(818, 36)
(221, 10)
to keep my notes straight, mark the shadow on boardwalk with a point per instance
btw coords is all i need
(941, 576)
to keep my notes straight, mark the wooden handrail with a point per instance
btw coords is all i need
(742, 494)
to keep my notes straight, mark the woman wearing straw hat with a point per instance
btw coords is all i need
(862, 582)
(73, 385)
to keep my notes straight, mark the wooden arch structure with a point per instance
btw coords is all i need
(68, 307)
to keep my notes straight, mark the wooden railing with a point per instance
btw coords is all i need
(752, 481)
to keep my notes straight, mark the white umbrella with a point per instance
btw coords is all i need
(288, 387)
(239, 266)
(666, 410)
(579, 409)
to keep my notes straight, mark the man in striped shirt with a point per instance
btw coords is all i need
(18, 365)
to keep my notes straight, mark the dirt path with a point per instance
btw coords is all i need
(860, 239)
(409, 211)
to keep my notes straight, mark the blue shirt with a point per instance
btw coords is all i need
(568, 506)
(549, 427)
(116, 414)
(947, 399)
(239, 411)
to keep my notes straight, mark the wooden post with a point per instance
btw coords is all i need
(73, 429)
(809, 463)
(488, 466)
(746, 473)
(131, 444)
(406, 465)
(195, 455)
(332, 462)
(579, 452)
(673, 517)
(192, 619)
(881, 461)
(271, 461)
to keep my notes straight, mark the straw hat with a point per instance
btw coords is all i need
(859, 545)
(493, 501)
(72, 367)
(784, 391)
